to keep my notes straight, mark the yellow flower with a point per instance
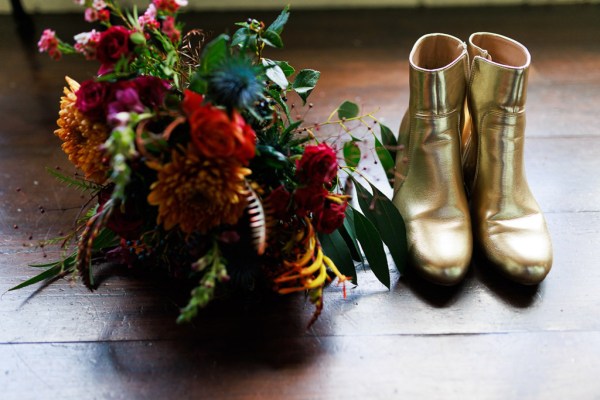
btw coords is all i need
(198, 193)
(82, 139)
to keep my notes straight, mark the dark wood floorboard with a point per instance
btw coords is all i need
(485, 339)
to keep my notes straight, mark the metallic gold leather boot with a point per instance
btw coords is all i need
(508, 224)
(429, 190)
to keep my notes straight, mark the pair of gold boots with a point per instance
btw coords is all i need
(460, 175)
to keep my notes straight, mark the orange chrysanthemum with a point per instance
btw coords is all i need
(197, 193)
(82, 138)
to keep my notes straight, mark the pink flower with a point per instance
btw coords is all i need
(92, 15)
(169, 29)
(98, 5)
(148, 20)
(86, 43)
(49, 43)
(170, 6)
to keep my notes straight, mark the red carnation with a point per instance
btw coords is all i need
(278, 202)
(330, 217)
(216, 134)
(309, 199)
(317, 166)
(114, 43)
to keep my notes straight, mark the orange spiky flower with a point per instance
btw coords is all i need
(197, 193)
(82, 138)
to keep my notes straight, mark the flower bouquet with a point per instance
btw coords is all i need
(195, 164)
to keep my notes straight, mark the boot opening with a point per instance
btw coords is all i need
(436, 51)
(502, 50)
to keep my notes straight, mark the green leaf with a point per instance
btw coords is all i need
(272, 38)
(387, 219)
(305, 82)
(280, 21)
(47, 274)
(373, 247)
(241, 36)
(335, 247)
(388, 139)
(276, 95)
(275, 73)
(348, 232)
(271, 156)
(137, 38)
(347, 110)
(387, 162)
(214, 53)
(287, 69)
(352, 154)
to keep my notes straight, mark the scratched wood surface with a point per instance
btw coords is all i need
(485, 339)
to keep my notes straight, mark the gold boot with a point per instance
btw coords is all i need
(508, 224)
(429, 190)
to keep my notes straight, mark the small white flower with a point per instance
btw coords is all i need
(98, 5)
(181, 3)
(84, 37)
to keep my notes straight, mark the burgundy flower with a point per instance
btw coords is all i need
(126, 100)
(114, 43)
(330, 217)
(278, 202)
(91, 99)
(151, 90)
(317, 166)
(309, 199)
(125, 223)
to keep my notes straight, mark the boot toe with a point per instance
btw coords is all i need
(441, 250)
(521, 249)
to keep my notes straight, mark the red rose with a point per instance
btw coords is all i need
(330, 217)
(91, 99)
(114, 43)
(309, 199)
(278, 202)
(216, 134)
(317, 166)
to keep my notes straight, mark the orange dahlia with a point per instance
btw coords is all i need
(82, 139)
(198, 193)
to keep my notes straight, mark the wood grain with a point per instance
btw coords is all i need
(485, 339)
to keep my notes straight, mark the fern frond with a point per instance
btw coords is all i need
(78, 183)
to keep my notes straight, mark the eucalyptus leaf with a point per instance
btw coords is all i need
(214, 53)
(275, 73)
(352, 153)
(240, 37)
(280, 21)
(370, 241)
(387, 219)
(305, 82)
(272, 38)
(335, 247)
(388, 139)
(287, 69)
(348, 232)
(347, 110)
(387, 162)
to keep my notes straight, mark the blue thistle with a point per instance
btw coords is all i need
(236, 84)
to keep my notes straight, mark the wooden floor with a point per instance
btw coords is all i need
(485, 339)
